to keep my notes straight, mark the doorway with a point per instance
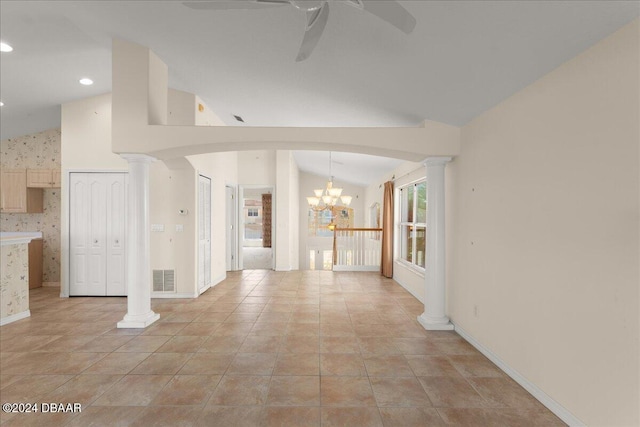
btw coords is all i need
(204, 233)
(97, 212)
(231, 233)
(256, 233)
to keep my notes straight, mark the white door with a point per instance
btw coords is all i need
(231, 232)
(97, 234)
(116, 226)
(204, 232)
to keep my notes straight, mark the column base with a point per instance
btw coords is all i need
(439, 324)
(138, 321)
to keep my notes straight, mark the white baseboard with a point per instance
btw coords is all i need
(356, 268)
(172, 295)
(218, 279)
(560, 411)
(15, 317)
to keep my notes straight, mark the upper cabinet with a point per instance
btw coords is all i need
(43, 178)
(15, 197)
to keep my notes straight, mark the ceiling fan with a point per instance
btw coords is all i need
(318, 13)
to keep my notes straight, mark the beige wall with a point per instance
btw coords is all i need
(257, 168)
(286, 206)
(86, 145)
(222, 169)
(169, 191)
(37, 151)
(86, 135)
(543, 232)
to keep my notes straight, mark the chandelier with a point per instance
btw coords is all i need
(325, 199)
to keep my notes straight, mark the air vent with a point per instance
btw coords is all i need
(164, 281)
(238, 118)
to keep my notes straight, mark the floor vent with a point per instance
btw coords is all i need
(164, 281)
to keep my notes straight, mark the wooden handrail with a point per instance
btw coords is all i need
(357, 229)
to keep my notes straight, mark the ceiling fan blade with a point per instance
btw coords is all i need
(392, 12)
(233, 5)
(316, 21)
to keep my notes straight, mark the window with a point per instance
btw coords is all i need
(413, 223)
(252, 219)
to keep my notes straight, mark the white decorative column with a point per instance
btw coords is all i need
(434, 317)
(139, 313)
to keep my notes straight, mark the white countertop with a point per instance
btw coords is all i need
(18, 237)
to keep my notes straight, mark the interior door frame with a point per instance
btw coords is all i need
(65, 250)
(231, 234)
(240, 234)
(205, 286)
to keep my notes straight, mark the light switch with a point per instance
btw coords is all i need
(179, 228)
(157, 227)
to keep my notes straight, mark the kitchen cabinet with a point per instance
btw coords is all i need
(15, 197)
(43, 178)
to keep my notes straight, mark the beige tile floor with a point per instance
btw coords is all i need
(261, 348)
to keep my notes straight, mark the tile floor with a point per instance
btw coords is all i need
(261, 348)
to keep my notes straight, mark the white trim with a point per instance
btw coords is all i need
(437, 161)
(15, 317)
(437, 325)
(356, 268)
(66, 225)
(403, 284)
(138, 158)
(138, 321)
(7, 241)
(414, 268)
(18, 237)
(165, 295)
(216, 281)
(555, 407)
(240, 224)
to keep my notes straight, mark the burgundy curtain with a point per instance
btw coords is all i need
(266, 220)
(386, 263)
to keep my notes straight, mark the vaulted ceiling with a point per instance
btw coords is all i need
(462, 58)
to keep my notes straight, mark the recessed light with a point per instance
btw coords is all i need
(1, 104)
(5, 47)
(85, 81)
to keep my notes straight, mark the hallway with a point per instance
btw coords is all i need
(301, 348)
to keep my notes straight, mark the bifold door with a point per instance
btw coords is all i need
(97, 212)
(204, 232)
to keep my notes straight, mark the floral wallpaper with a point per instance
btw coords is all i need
(40, 150)
(14, 282)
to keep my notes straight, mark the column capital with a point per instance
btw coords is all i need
(436, 161)
(137, 158)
